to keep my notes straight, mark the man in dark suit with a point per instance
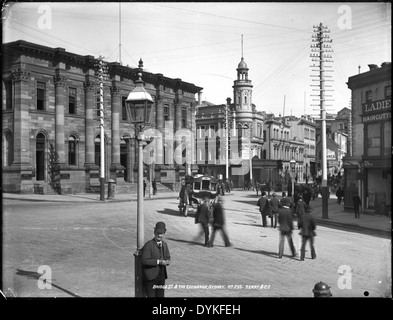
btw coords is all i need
(356, 204)
(306, 223)
(155, 259)
(263, 205)
(285, 201)
(286, 227)
(274, 208)
(301, 207)
(203, 216)
(219, 223)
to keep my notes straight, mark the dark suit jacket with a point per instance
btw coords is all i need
(203, 214)
(274, 204)
(263, 205)
(150, 255)
(301, 208)
(218, 215)
(285, 220)
(306, 222)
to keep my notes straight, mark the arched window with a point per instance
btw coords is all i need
(72, 151)
(40, 157)
(8, 149)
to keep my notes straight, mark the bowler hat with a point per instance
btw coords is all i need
(160, 227)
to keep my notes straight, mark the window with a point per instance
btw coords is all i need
(388, 92)
(98, 105)
(184, 117)
(123, 108)
(166, 112)
(72, 151)
(264, 135)
(72, 100)
(369, 96)
(8, 154)
(8, 95)
(341, 126)
(40, 96)
(373, 136)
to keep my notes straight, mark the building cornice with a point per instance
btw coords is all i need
(114, 68)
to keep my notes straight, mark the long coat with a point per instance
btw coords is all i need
(263, 205)
(203, 214)
(285, 220)
(307, 225)
(301, 208)
(218, 215)
(150, 255)
(274, 205)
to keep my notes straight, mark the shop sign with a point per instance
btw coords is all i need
(330, 154)
(377, 110)
(377, 117)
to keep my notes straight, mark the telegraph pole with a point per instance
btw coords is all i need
(320, 49)
(227, 110)
(102, 68)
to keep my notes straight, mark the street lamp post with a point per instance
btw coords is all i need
(138, 105)
(293, 165)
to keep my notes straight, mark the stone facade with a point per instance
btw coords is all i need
(50, 98)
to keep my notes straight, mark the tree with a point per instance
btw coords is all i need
(54, 168)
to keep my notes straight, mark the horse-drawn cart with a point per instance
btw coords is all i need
(194, 190)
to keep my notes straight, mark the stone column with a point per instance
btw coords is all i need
(178, 113)
(115, 119)
(159, 111)
(60, 83)
(20, 78)
(89, 122)
(132, 155)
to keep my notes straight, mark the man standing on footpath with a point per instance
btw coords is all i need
(263, 205)
(274, 208)
(286, 227)
(307, 225)
(155, 259)
(356, 204)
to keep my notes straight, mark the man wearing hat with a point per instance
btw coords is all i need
(274, 207)
(155, 259)
(263, 205)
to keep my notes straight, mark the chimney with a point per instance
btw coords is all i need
(372, 66)
(385, 64)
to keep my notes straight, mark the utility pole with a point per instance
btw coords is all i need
(227, 110)
(320, 49)
(101, 74)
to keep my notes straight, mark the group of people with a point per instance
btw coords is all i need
(207, 215)
(283, 211)
(156, 256)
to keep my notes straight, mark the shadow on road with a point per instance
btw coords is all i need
(266, 253)
(186, 241)
(248, 224)
(172, 212)
(36, 275)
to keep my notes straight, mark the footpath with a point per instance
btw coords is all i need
(337, 217)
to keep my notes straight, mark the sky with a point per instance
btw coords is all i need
(200, 42)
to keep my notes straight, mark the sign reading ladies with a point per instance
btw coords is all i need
(183, 147)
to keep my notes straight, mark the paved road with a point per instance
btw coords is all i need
(89, 247)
